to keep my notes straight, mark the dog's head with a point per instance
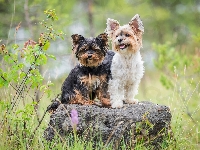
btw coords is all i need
(126, 38)
(90, 51)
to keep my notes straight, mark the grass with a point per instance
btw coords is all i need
(183, 101)
(184, 104)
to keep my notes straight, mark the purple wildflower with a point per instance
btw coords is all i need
(74, 117)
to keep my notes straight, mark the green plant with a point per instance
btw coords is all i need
(180, 72)
(171, 61)
(20, 78)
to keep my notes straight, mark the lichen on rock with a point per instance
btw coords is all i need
(145, 121)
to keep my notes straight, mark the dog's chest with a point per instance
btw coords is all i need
(125, 68)
(92, 81)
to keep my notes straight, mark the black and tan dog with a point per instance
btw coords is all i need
(88, 81)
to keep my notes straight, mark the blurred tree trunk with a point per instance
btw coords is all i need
(90, 17)
(27, 18)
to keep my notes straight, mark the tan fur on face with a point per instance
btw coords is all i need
(90, 51)
(94, 61)
(129, 34)
(134, 41)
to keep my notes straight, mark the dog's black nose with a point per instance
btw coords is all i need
(89, 55)
(119, 40)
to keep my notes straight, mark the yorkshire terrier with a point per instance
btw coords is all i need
(88, 81)
(127, 66)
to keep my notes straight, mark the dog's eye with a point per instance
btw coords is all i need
(97, 49)
(116, 35)
(85, 49)
(127, 35)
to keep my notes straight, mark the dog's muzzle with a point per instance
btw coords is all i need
(89, 56)
(123, 46)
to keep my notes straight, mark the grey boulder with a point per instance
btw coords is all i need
(144, 122)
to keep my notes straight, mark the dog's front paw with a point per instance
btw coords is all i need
(132, 101)
(53, 106)
(105, 102)
(117, 104)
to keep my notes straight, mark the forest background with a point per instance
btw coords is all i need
(171, 49)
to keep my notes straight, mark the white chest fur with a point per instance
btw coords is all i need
(127, 71)
(127, 67)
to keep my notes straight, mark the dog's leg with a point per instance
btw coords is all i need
(103, 97)
(132, 86)
(116, 91)
(131, 92)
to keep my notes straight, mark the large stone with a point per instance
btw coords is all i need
(145, 121)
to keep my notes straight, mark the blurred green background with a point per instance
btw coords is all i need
(171, 46)
(173, 21)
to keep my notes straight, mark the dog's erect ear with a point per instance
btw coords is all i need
(76, 39)
(136, 24)
(103, 41)
(103, 37)
(112, 25)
